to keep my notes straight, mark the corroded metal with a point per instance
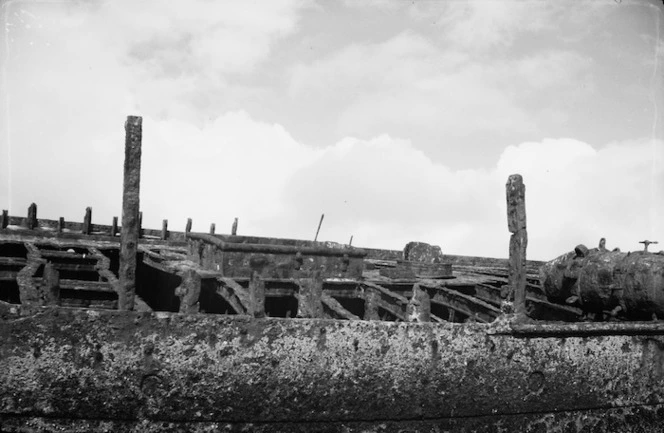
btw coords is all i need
(626, 285)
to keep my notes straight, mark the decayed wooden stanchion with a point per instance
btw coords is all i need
(516, 223)
(129, 232)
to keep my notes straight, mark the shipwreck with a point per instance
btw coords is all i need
(124, 328)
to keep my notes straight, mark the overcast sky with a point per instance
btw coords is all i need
(400, 120)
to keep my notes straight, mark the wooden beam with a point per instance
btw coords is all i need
(257, 295)
(61, 225)
(337, 308)
(386, 292)
(212, 228)
(140, 224)
(114, 226)
(87, 221)
(309, 303)
(230, 297)
(234, 228)
(32, 216)
(516, 223)
(371, 301)
(12, 261)
(242, 294)
(164, 229)
(189, 292)
(419, 306)
(91, 286)
(51, 287)
(4, 219)
(28, 291)
(187, 229)
(465, 304)
(103, 267)
(130, 207)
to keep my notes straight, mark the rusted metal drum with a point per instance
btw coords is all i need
(642, 278)
(554, 277)
(630, 285)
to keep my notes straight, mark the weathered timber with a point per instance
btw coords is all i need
(401, 300)
(103, 267)
(227, 294)
(59, 254)
(140, 224)
(189, 292)
(130, 208)
(371, 301)
(419, 306)
(12, 261)
(61, 225)
(164, 229)
(28, 290)
(464, 304)
(394, 310)
(234, 228)
(31, 221)
(90, 286)
(212, 228)
(51, 287)
(75, 267)
(257, 295)
(309, 296)
(334, 305)
(516, 223)
(114, 226)
(242, 294)
(87, 221)
(187, 228)
(4, 219)
(276, 248)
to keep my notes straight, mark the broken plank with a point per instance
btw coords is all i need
(230, 297)
(240, 292)
(337, 308)
(400, 299)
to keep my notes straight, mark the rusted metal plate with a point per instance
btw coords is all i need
(93, 365)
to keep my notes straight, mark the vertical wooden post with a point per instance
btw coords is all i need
(61, 225)
(212, 228)
(257, 295)
(130, 209)
(164, 229)
(140, 224)
(32, 216)
(187, 229)
(516, 223)
(309, 303)
(114, 227)
(189, 292)
(234, 228)
(419, 306)
(51, 289)
(4, 219)
(87, 221)
(371, 300)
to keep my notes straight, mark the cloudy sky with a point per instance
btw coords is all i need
(400, 120)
